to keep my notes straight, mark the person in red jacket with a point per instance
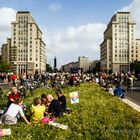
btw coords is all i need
(13, 96)
(13, 77)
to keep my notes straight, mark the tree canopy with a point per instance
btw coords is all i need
(4, 67)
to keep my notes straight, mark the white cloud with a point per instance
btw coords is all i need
(55, 7)
(6, 16)
(72, 42)
(134, 8)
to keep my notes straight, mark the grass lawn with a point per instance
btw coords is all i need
(99, 115)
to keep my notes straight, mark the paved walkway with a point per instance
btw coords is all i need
(132, 104)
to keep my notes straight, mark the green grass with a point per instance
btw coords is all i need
(99, 115)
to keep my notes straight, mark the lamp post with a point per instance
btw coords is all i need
(128, 55)
(26, 59)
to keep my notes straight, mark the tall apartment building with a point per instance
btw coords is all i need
(138, 49)
(120, 46)
(84, 63)
(27, 47)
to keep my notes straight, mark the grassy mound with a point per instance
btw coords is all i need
(99, 115)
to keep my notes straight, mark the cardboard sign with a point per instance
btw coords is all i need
(74, 97)
(5, 132)
(58, 125)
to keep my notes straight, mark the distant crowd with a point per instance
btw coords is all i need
(46, 105)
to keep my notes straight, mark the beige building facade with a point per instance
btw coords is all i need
(27, 46)
(5, 51)
(119, 46)
(83, 64)
(137, 51)
(68, 67)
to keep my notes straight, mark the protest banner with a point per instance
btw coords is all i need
(5, 132)
(74, 97)
(58, 125)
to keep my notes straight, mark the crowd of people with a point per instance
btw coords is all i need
(46, 105)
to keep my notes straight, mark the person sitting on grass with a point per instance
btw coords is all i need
(54, 107)
(13, 96)
(37, 111)
(61, 99)
(44, 100)
(10, 117)
(118, 91)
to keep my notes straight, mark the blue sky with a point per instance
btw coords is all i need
(71, 12)
(71, 28)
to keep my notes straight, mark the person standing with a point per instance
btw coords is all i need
(13, 77)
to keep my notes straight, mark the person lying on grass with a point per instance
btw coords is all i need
(37, 111)
(55, 107)
(10, 117)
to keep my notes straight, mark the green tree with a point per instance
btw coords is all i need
(4, 67)
(49, 68)
(135, 66)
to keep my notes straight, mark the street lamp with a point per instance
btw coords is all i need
(129, 57)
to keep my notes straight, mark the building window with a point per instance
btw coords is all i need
(30, 59)
(36, 65)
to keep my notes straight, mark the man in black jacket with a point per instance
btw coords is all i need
(55, 107)
(61, 99)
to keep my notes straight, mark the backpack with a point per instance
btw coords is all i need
(118, 92)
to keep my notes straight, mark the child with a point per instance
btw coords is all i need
(44, 100)
(14, 109)
(37, 111)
